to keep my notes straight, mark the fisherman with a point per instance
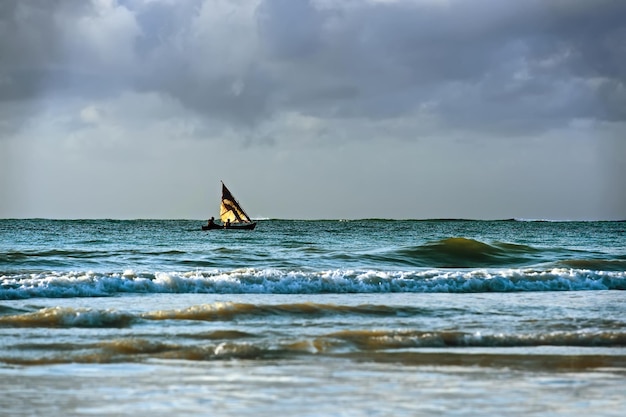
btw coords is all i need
(227, 224)
(211, 221)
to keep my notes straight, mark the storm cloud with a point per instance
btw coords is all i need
(483, 65)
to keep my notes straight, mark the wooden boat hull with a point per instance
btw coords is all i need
(244, 226)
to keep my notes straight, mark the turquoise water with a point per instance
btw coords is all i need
(103, 257)
(347, 318)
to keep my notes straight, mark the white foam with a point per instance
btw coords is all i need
(86, 284)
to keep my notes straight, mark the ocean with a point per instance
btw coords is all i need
(313, 318)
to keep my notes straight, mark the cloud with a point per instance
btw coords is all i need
(485, 67)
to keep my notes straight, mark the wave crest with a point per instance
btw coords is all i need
(68, 317)
(273, 281)
(459, 252)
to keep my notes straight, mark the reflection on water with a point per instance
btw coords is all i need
(322, 386)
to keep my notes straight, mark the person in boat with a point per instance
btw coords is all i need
(211, 221)
(227, 224)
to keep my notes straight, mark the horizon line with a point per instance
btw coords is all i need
(261, 219)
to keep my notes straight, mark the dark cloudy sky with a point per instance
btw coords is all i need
(313, 109)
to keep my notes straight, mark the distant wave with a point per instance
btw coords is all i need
(460, 252)
(452, 252)
(274, 281)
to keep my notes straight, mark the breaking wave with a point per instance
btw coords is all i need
(275, 281)
(67, 317)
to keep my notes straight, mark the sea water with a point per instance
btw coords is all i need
(308, 318)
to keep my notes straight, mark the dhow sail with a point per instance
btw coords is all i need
(230, 210)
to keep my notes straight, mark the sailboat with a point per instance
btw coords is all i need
(231, 214)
